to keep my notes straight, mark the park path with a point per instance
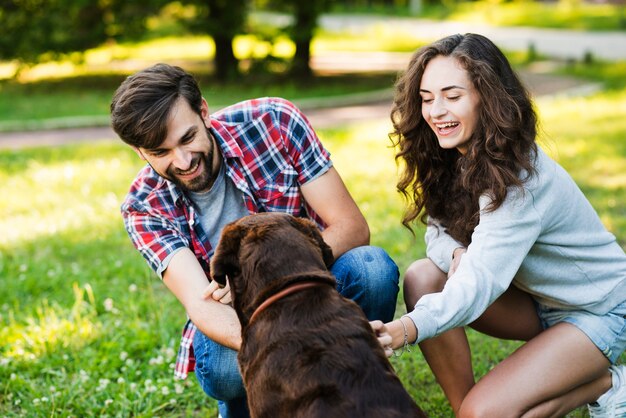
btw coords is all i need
(562, 44)
(322, 114)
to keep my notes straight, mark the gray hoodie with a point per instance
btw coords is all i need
(546, 239)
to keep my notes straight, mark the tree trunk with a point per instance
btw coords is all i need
(301, 66)
(226, 65)
(302, 34)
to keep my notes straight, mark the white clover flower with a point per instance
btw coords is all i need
(120, 380)
(36, 401)
(13, 376)
(44, 399)
(123, 355)
(178, 388)
(108, 305)
(133, 386)
(156, 360)
(165, 390)
(102, 384)
(132, 288)
(83, 376)
(108, 402)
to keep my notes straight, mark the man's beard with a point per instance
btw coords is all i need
(201, 183)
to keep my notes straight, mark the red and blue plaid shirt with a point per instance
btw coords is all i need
(269, 149)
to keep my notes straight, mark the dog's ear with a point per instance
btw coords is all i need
(225, 260)
(309, 228)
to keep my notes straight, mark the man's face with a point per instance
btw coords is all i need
(188, 156)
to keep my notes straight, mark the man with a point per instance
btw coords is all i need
(205, 171)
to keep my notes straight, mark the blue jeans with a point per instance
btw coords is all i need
(365, 274)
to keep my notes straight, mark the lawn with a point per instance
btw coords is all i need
(86, 329)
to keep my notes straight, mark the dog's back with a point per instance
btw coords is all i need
(314, 355)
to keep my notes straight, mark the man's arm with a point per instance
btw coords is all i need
(329, 198)
(185, 278)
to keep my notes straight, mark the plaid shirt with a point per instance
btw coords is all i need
(269, 149)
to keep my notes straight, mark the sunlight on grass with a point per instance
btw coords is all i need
(569, 14)
(591, 144)
(52, 329)
(364, 158)
(114, 357)
(48, 199)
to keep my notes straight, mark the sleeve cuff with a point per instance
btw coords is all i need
(166, 262)
(424, 322)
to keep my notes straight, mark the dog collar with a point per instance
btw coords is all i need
(296, 287)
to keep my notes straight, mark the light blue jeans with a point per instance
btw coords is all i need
(607, 332)
(366, 275)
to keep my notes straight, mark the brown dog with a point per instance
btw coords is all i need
(306, 351)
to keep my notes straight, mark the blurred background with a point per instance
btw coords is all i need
(86, 329)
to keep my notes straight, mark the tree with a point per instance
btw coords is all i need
(35, 30)
(304, 22)
(222, 20)
(305, 14)
(30, 28)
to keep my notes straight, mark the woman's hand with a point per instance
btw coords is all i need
(384, 338)
(456, 259)
(220, 294)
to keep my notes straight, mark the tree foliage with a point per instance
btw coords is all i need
(33, 27)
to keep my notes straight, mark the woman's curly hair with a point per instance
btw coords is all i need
(442, 183)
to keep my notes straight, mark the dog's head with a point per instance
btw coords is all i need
(257, 251)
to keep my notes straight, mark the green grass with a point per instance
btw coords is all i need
(34, 105)
(86, 329)
(570, 14)
(563, 14)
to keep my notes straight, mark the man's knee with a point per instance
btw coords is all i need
(216, 369)
(367, 263)
(222, 383)
(370, 277)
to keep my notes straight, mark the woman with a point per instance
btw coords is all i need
(514, 249)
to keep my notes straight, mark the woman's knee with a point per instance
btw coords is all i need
(421, 278)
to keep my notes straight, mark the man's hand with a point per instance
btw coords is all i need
(384, 338)
(221, 294)
(456, 259)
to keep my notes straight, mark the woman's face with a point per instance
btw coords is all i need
(449, 102)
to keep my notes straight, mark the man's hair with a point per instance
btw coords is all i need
(442, 183)
(142, 103)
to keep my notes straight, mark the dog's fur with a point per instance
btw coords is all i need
(312, 353)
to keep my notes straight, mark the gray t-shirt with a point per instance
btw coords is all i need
(222, 204)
